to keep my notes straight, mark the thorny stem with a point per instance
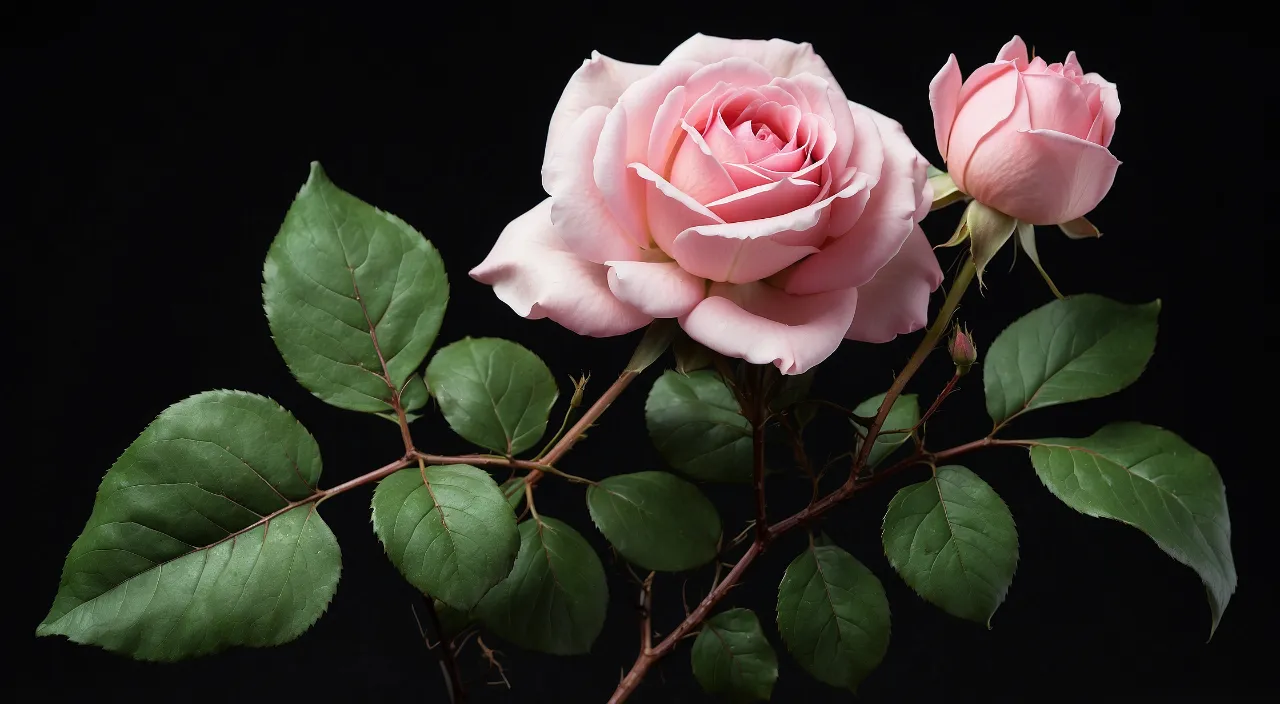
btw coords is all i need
(448, 657)
(765, 533)
(757, 478)
(917, 358)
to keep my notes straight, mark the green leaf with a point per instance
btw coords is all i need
(695, 422)
(555, 598)
(953, 540)
(354, 296)
(204, 535)
(656, 520)
(690, 354)
(448, 529)
(792, 388)
(493, 392)
(733, 659)
(833, 616)
(413, 396)
(657, 338)
(904, 414)
(513, 489)
(1080, 347)
(1154, 481)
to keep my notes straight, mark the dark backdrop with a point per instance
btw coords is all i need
(156, 156)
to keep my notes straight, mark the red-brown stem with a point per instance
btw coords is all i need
(937, 402)
(926, 346)
(765, 533)
(448, 657)
(646, 659)
(757, 478)
(580, 427)
(375, 475)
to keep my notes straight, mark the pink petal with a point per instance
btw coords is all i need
(670, 210)
(780, 57)
(763, 325)
(697, 172)
(581, 216)
(746, 176)
(625, 138)
(944, 98)
(1056, 103)
(868, 149)
(888, 219)
(1042, 177)
(765, 201)
(599, 81)
(715, 253)
(1014, 50)
(1072, 64)
(988, 104)
(533, 271)
(621, 191)
(659, 289)
(1110, 107)
(726, 146)
(735, 71)
(896, 301)
(827, 101)
(665, 135)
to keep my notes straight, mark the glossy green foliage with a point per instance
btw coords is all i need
(903, 415)
(833, 616)
(732, 658)
(656, 520)
(448, 529)
(555, 598)
(1077, 348)
(695, 422)
(204, 535)
(1153, 480)
(953, 540)
(354, 297)
(493, 392)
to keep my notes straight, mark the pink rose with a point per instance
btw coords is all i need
(1027, 138)
(732, 187)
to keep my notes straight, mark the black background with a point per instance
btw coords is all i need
(155, 156)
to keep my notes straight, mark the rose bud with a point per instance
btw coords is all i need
(963, 350)
(1025, 137)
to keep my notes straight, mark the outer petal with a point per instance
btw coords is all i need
(1110, 106)
(582, 217)
(532, 271)
(781, 57)
(660, 289)
(763, 325)
(625, 139)
(889, 218)
(1040, 176)
(896, 301)
(599, 81)
(944, 98)
(1014, 50)
(987, 100)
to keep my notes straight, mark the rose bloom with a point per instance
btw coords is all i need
(1025, 137)
(732, 187)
